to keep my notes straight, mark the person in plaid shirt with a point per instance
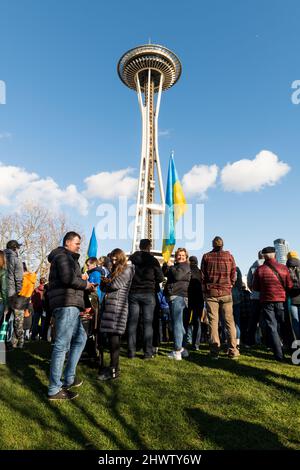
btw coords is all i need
(218, 270)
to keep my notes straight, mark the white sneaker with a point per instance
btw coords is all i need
(184, 353)
(175, 355)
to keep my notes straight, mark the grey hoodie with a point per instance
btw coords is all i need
(254, 294)
(14, 272)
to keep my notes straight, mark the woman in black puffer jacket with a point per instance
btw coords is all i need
(115, 311)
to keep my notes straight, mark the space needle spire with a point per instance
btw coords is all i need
(149, 70)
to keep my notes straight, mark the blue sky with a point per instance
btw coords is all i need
(67, 115)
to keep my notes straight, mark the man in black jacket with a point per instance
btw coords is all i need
(66, 300)
(142, 297)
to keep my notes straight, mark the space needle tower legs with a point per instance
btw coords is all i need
(149, 70)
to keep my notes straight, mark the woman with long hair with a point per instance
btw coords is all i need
(3, 286)
(115, 310)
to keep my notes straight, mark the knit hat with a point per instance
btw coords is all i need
(193, 259)
(292, 254)
(268, 249)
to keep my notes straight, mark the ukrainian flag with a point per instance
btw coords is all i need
(93, 246)
(175, 208)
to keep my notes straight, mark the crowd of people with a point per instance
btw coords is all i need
(83, 311)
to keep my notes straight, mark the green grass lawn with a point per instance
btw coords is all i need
(252, 403)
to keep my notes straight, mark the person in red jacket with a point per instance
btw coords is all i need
(272, 280)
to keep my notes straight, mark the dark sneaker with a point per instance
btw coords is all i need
(214, 356)
(77, 383)
(108, 374)
(146, 358)
(63, 395)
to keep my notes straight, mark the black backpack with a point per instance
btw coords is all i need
(295, 275)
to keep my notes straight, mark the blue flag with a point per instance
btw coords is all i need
(93, 246)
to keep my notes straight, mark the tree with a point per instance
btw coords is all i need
(39, 231)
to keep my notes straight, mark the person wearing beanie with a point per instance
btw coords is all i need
(272, 280)
(292, 254)
(293, 265)
(218, 273)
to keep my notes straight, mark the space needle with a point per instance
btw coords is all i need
(149, 70)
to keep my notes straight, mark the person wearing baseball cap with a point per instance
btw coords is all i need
(272, 280)
(15, 278)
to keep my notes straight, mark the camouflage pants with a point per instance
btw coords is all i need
(18, 334)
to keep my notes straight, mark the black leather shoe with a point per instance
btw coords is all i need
(108, 374)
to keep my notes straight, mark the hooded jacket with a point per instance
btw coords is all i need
(66, 287)
(15, 271)
(95, 275)
(3, 287)
(148, 273)
(115, 312)
(293, 265)
(254, 295)
(195, 294)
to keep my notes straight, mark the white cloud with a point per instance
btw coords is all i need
(5, 135)
(252, 175)
(18, 186)
(12, 179)
(110, 185)
(47, 192)
(199, 179)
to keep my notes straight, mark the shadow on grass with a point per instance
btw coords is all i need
(22, 365)
(264, 376)
(233, 434)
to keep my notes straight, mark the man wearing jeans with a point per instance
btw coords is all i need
(66, 299)
(142, 297)
(273, 280)
(218, 271)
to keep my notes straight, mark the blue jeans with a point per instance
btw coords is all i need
(295, 319)
(144, 304)
(178, 305)
(70, 336)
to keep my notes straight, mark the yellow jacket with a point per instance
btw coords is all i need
(28, 283)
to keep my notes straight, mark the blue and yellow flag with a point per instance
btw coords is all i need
(175, 208)
(93, 246)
